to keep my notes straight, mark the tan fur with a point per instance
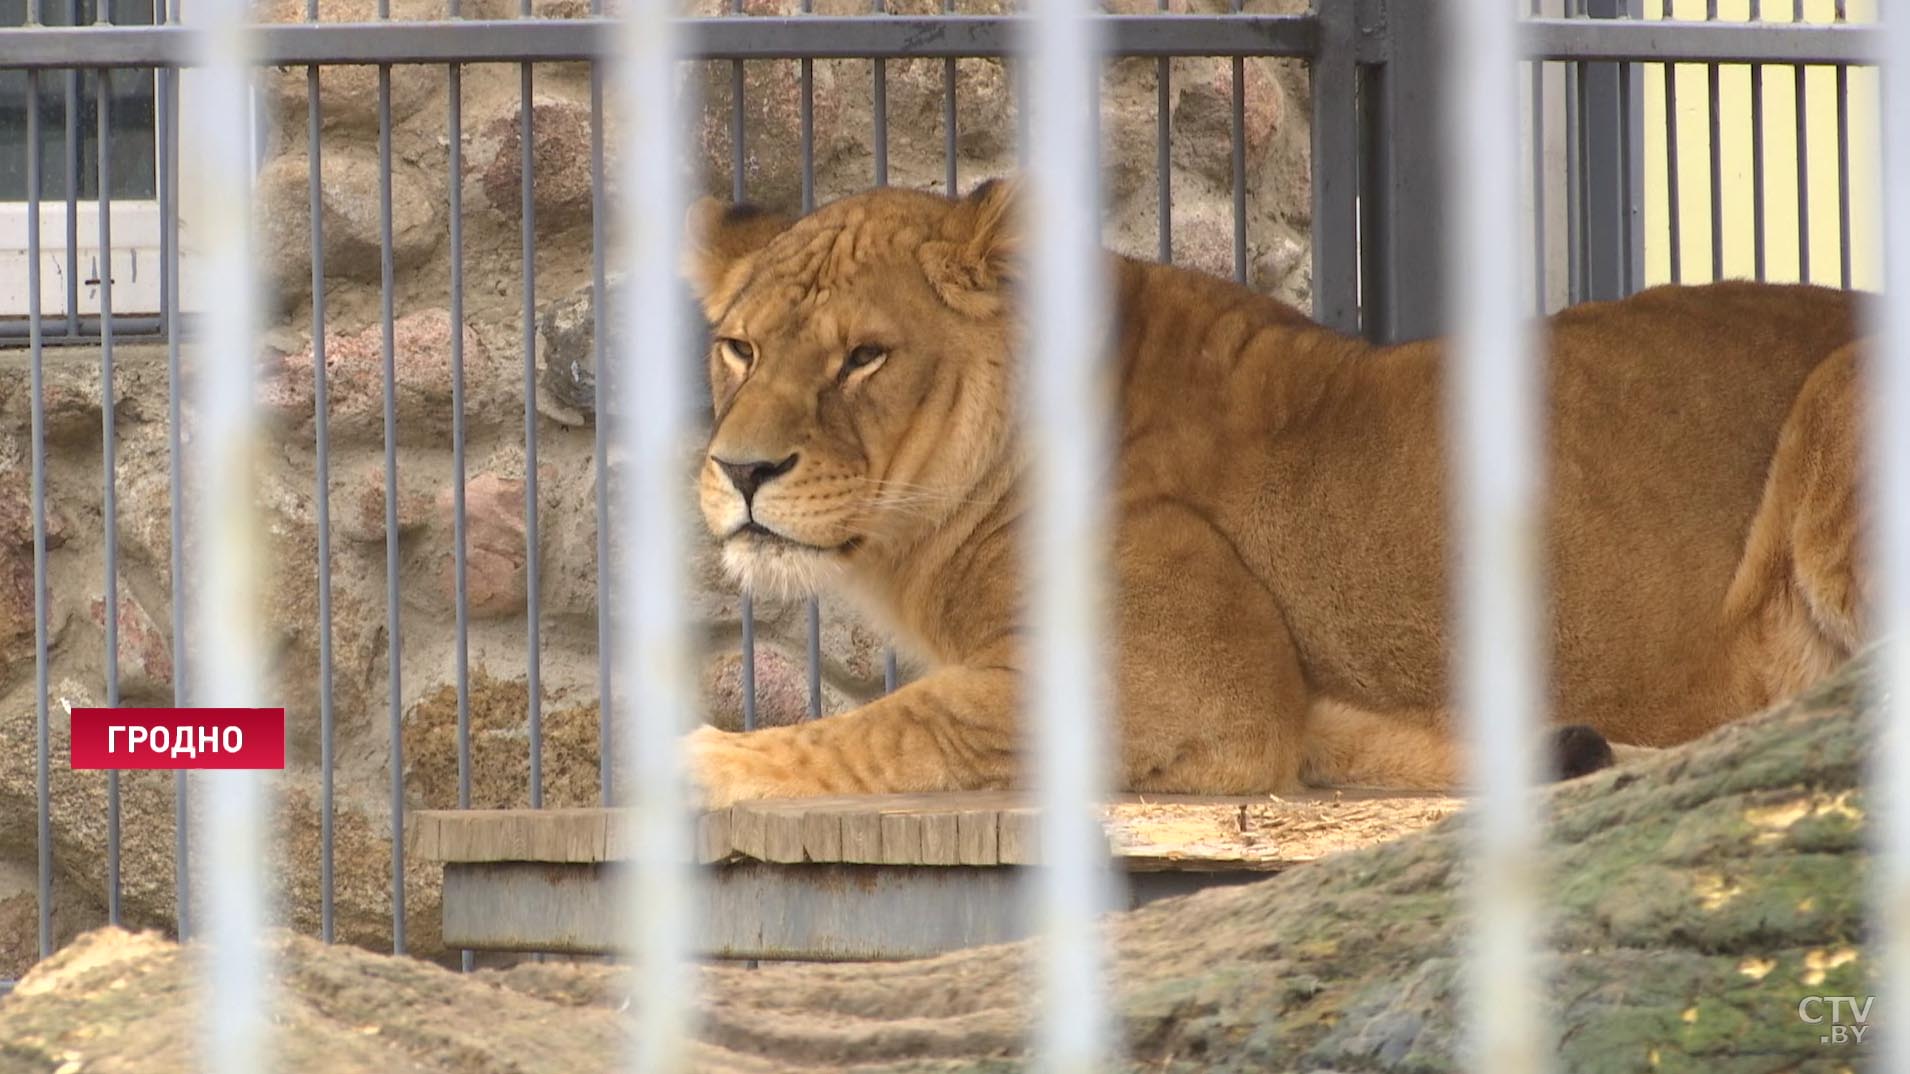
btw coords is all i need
(1281, 545)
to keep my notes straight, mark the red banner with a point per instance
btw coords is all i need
(178, 738)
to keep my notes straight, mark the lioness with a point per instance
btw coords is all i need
(1280, 550)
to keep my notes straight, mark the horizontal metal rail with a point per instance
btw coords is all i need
(899, 37)
(817, 37)
(1654, 41)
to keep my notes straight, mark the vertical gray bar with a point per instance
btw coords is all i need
(814, 616)
(1843, 165)
(1607, 203)
(952, 175)
(1803, 160)
(226, 615)
(1887, 426)
(168, 137)
(1404, 290)
(109, 450)
(527, 193)
(1018, 75)
(656, 893)
(807, 75)
(749, 662)
(739, 131)
(1537, 69)
(600, 432)
(1574, 184)
(1069, 435)
(322, 498)
(881, 109)
(1238, 132)
(1494, 414)
(1164, 157)
(1632, 97)
(72, 148)
(739, 135)
(1757, 156)
(1336, 179)
(43, 803)
(394, 636)
(460, 535)
(1673, 209)
(1717, 157)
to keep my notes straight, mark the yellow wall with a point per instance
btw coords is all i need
(1781, 208)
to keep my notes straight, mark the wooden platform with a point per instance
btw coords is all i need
(886, 876)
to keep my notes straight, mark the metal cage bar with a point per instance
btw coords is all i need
(1493, 417)
(648, 417)
(1888, 435)
(37, 379)
(818, 37)
(322, 498)
(1070, 440)
(226, 615)
(109, 450)
(460, 535)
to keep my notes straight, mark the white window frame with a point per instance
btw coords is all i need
(136, 226)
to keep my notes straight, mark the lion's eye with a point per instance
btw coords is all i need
(862, 357)
(740, 352)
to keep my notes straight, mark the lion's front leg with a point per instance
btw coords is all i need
(952, 730)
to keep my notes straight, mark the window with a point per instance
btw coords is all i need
(69, 106)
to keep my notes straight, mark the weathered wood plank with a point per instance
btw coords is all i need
(1145, 832)
(822, 836)
(901, 838)
(941, 838)
(1015, 837)
(975, 835)
(747, 830)
(861, 838)
(782, 833)
(713, 840)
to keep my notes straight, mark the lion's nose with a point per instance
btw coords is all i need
(753, 475)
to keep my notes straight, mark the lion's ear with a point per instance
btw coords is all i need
(719, 237)
(979, 251)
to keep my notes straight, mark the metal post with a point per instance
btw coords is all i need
(109, 451)
(649, 416)
(1605, 155)
(1494, 417)
(321, 498)
(43, 812)
(1403, 243)
(1336, 262)
(1888, 427)
(1069, 692)
(226, 616)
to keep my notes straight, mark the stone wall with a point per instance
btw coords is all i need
(495, 377)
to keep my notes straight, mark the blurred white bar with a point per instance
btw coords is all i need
(1889, 488)
(655, 702)
(1069, 696)
(224, 620)
(1493, 414)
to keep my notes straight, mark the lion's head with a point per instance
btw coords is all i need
(859, 370)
